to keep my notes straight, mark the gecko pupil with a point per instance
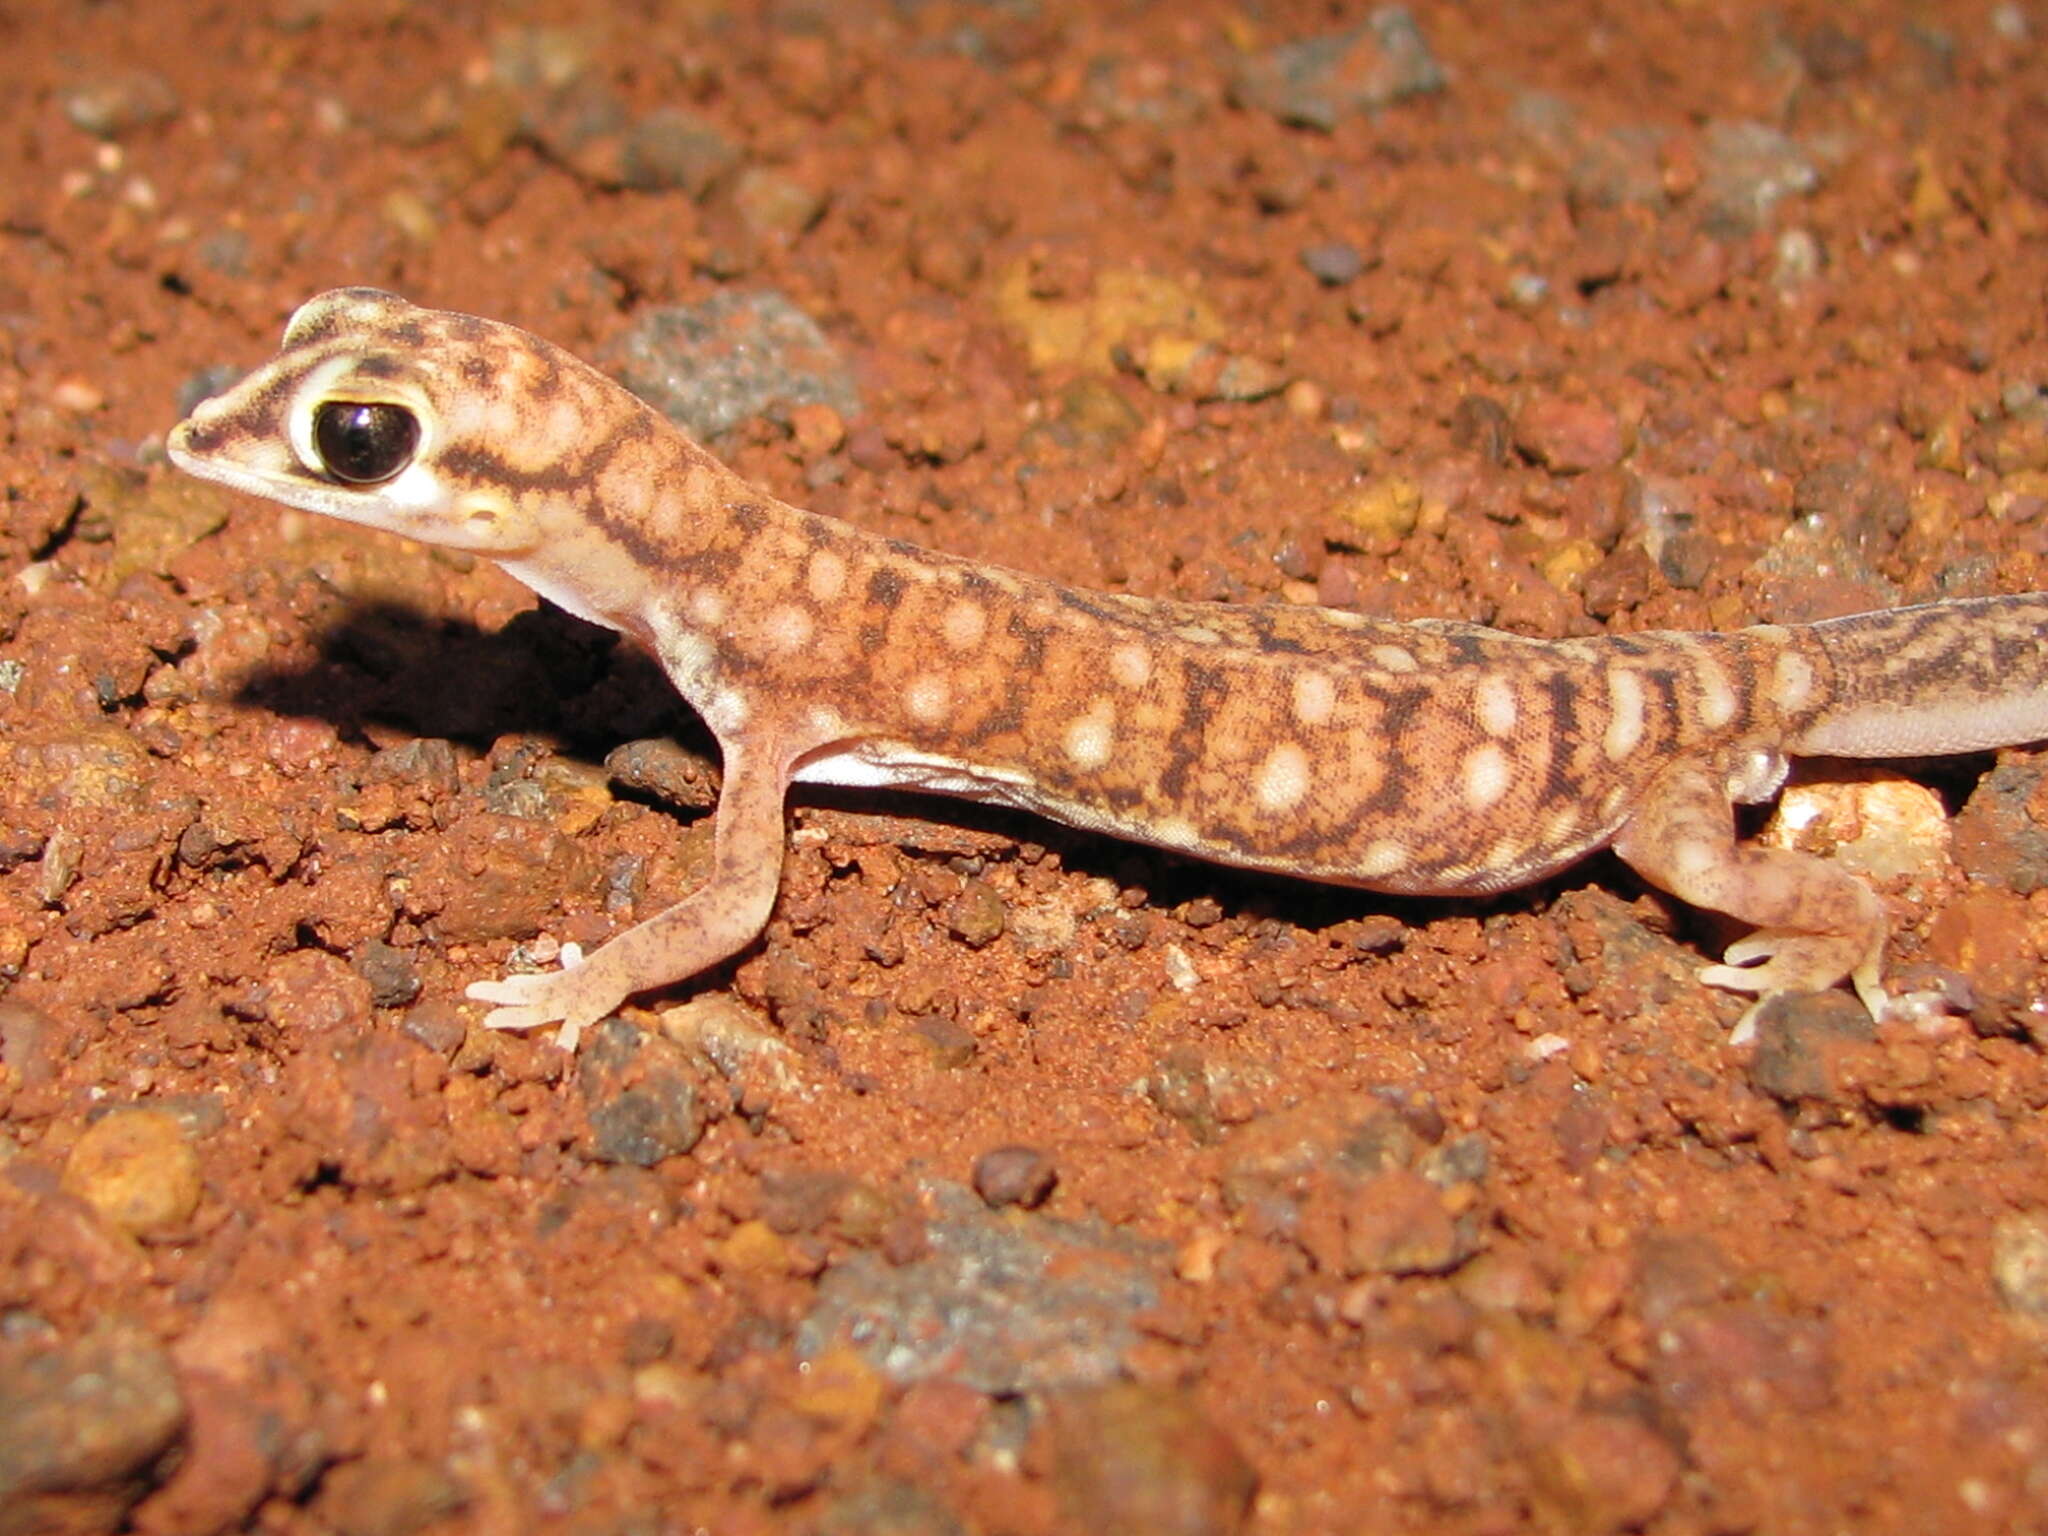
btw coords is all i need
(361, 444)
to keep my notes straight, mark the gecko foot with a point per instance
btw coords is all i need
(573, 996)
(1774, 960)
(1784, 960)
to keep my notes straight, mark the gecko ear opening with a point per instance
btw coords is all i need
(493, 525)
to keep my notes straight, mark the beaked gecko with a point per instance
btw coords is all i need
(1431, 758)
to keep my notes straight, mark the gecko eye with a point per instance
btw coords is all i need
(363, 444)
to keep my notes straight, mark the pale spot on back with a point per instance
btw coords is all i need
(1197, 634)
(707, 606)
(1624, 713)
(1091, 738)
(1494, 702)
(1382, 858)
(1131, 665)
(928, 698)
(964, 625)
(1486, 776)
(787, 628)
(1393, 658)
(1282, 779)
(1315, 698)
(1791, 681)
(1717, 695)
(825, 575)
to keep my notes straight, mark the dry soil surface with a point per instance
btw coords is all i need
(1018, 1180)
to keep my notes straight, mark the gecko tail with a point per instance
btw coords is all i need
(1943, 677)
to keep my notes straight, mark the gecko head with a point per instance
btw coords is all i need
(382, 413)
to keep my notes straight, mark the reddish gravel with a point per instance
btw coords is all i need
(1018, 1180)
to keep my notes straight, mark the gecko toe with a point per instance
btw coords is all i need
(1759, 951)
(517, 1018)
(511, 991)
(1734, 978)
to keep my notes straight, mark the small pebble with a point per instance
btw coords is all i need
(639, 1096)
(1600, 1474)
(1526, 291)
(672, 149)
(1305, 400)
(82, 1429)
(817, 429)
(667, 770)
(1999, 838)
(310, 994)
(1317, 82)
(1799, 1040)
(118, 102)
(1385, 511)
(394, 980)
(1180, 1088)
(952, 1046)
(1396, 1223)
(137, 1170)
(388, 1496)
(78, 396)
(709, 366)
(773, 205)
(870, 450)
(1333, 263)
(1747, 169)
(31, 1045)
(1134, 1457)
(2019, 1263)
(1480, 425)
(977, 916)
(1569, 437)
(1015, 1176)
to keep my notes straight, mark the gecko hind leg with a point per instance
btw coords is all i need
(1816, 924)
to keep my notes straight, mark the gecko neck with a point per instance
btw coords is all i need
(654, 514)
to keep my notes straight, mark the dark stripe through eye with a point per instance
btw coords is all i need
(364, 444)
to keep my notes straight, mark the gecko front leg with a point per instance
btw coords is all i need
(717, 920)
(1815, 922)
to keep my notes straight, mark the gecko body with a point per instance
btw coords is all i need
(1430, 758)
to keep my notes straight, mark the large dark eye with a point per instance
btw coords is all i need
(362, 444)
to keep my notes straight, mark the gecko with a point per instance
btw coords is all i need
(1429, 758)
